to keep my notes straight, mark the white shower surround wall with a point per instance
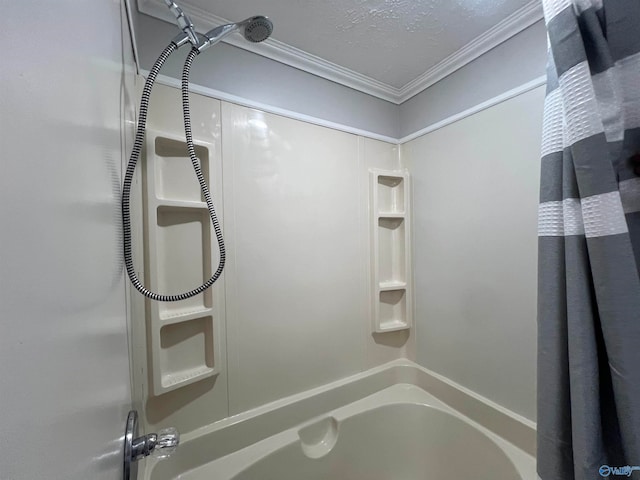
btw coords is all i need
(251, 381)
(397, 420)
(293, 202)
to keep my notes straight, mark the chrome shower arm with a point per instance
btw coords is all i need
(184, 23)
(214, 36)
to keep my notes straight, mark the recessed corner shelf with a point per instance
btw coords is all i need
(384, 286)
(393, 310)
(390, 190)
(183, 315)
(164, 203)
(171, 381)
(390, 250)
(186, 353)
(181, 254)
(173, 172)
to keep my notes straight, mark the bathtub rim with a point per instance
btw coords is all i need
(239, 431)
(399, 395)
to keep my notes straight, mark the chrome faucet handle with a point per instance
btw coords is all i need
(166, 442)
(160, 445)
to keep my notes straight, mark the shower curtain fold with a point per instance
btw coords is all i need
(589, 243)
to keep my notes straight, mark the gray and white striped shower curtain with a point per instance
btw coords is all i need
(589, 243)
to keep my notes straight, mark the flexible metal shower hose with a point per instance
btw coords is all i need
(131, 166)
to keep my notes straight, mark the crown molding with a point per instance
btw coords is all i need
(501, 32)
(294, 57)
(277, 50)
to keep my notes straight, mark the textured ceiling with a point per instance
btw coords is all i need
(393, 41)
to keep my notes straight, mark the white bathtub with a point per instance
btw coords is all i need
(400, 432)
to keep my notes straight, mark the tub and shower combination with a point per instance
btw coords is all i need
(390, 423)
(398, 421)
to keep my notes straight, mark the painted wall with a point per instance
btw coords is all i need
(475, 192)
(244, 74)
(519, 60)
(295, 208)
(66, 121)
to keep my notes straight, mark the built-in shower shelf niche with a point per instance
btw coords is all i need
(174, 177)
(387, 286)
(390, 250)
(181, 253)
(393, 310)
(390, 190)
(187, 352)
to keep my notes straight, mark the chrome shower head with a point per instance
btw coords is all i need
(254, 29)
(257, 29)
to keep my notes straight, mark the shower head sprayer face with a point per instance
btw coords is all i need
(254, 29)
(257, 29)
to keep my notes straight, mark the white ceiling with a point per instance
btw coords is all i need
(389, 48)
